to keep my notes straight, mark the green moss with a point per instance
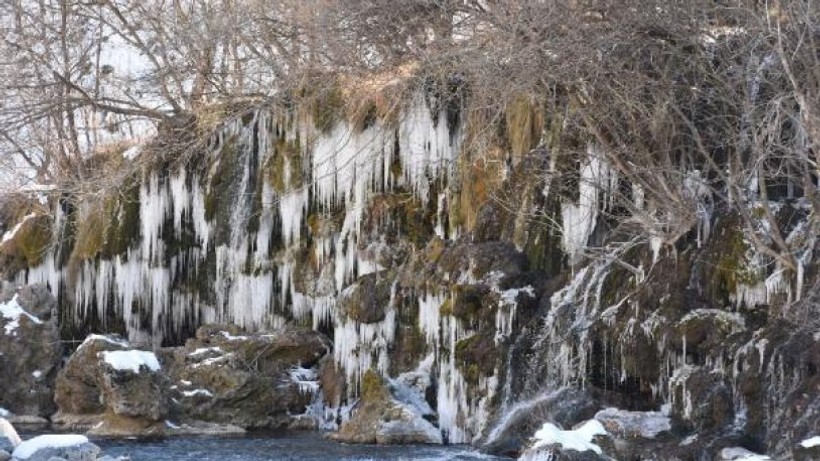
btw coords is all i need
(468, 301)
(283, 168)
(373, 389)
(223, 176)
(32, 240)
(472, 374)
(463, 347)
(447, 306)
(732, 267)
(123, 230)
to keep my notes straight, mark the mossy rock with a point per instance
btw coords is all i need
(365, 301)
(283, 168)
(477, 356)
(373, 388)
(29, 245)
(469, 301)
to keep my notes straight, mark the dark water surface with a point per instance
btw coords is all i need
(283, 446)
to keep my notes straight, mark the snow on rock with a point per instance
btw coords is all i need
(205, 350)
(12, 311)
(811, 442)
(647, 424)
(8, 431)
(579, 439)
(4, 413)
(231, 337)
(132, 152)
(109, 339)
(196, 392)
(30, 447)
(10, 234)
(738, 454)
(132, 360)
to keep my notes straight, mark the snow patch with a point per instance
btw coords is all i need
(28, 448)
(10, 234)
(12, 311)
(132, 360)
(196, 392)
(205, 350)
(132, 152)
(108, 339)
(579, 439)
(811, 442)
(737, 454)
(231, 337)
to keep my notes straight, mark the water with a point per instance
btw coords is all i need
(279, 447)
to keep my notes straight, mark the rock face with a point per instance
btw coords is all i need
(252, 380)
(380, 418)
(30, 350)
(536, 282)
(107, 381)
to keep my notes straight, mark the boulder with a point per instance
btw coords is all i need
(252, 380)
(105, 381)
(79, 383)
(132, 384)
(382, 419)
(4, 455)
(63, 446)
(30, 350)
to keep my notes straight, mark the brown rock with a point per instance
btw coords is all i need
(30, 350)
(78, 388)
(227, 376)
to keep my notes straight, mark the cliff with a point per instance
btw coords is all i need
(519, 277)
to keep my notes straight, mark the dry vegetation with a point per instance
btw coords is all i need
(699, 103)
